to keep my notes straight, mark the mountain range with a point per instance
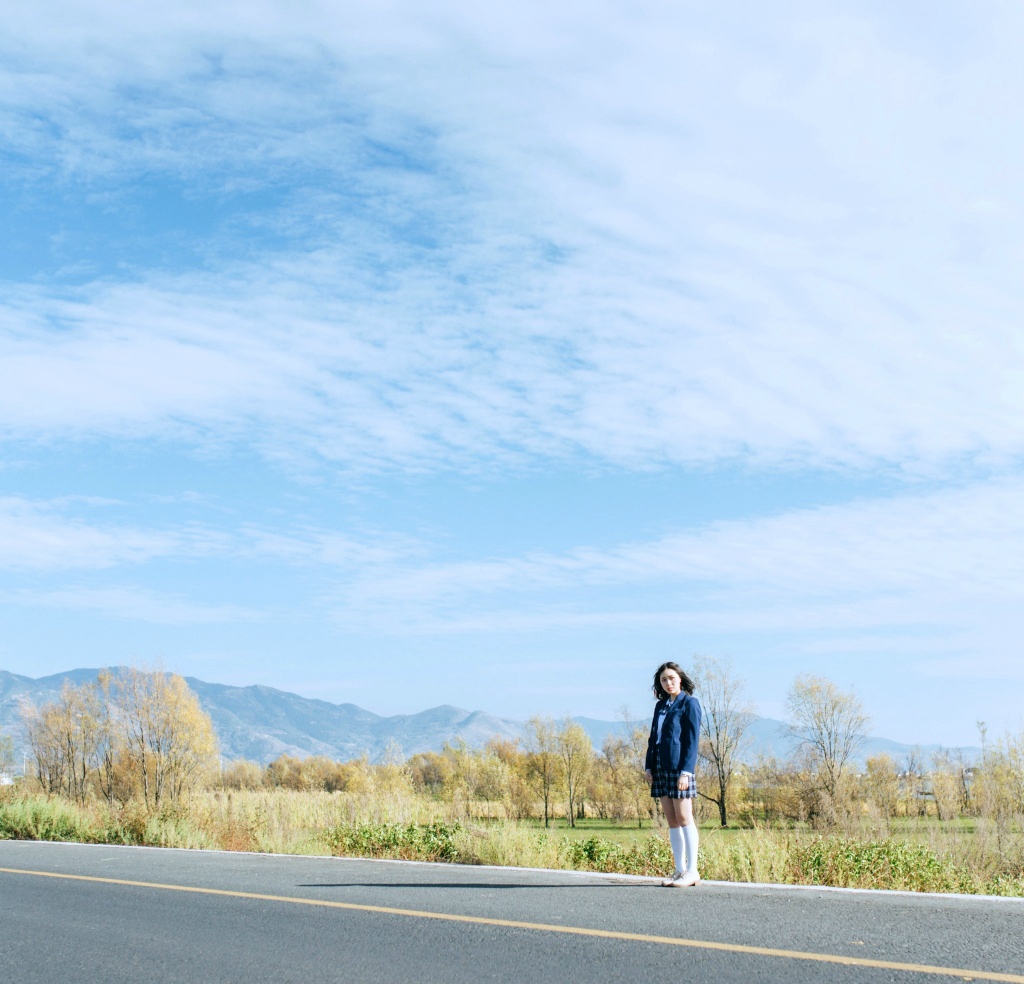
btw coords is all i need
(260, 723)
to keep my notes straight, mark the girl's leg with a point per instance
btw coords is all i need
(691, 839)
(673, 815)
(675, 837)
(675, 811)
(682, 832)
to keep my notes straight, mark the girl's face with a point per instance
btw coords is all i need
(670, 683)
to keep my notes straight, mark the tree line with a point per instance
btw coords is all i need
(143, 736)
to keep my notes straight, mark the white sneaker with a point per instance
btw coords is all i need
(682, 880)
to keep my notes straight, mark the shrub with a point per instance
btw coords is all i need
(50, 820)
(878, 864)
(651, 856)
(413, 842)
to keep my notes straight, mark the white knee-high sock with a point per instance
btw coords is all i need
(692, 840)
(675, 837)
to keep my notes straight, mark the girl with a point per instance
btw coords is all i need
(671, 762)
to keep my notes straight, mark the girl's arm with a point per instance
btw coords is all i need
(689, 737)
(649, 758)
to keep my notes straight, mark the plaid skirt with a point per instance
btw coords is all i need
(667, 784)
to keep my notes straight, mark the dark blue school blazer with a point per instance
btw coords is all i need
(680, 736)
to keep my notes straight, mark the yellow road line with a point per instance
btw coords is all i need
(760, 951)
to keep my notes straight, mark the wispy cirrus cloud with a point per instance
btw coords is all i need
(317, 547)
(133, 603)
(936, 564)
(949, 558)
(537, 241)
(679, 241)
(43, 536)
(76, 532)
(317, 376)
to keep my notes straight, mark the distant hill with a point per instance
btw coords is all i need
(261, 723)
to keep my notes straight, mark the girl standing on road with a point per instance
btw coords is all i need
(671, 762)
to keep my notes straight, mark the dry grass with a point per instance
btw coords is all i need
(953, 857)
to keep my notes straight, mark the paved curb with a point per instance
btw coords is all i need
(602, 875)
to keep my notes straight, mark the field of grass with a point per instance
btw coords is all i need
(916, 856)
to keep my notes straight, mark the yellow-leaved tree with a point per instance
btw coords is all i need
(64, 736)
(577, 759)
(132, 734)
(169, 742)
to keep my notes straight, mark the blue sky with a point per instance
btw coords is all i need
(491, 356)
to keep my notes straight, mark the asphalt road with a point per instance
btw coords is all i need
(67, 916)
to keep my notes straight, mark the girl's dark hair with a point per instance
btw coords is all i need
(659, 692)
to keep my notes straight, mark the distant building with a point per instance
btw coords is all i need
(6, 780)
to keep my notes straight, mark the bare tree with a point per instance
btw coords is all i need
(543, 761)
(47, 759)
(577, 755)
(136, 733)
(629, 752)
(949, 784)
(912, 775)
(6, 755)
(135, 706)
(882, 782)
(724, 722)
(110, 744)
(62, 737)
(829, 723)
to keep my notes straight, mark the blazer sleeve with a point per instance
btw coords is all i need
(689, 738)
(652, 751)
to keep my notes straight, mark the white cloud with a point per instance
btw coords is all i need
(928, 572)
(313, 547)
(50, 536)
(41, 536)
(672, 234)
(456, 236)
(132, 603)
